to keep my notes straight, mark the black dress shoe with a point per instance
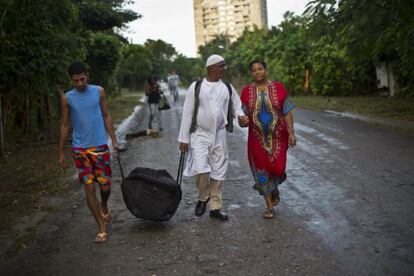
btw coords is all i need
(200, 208)
(218, 214)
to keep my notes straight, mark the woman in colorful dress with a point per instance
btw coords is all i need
(271, 132)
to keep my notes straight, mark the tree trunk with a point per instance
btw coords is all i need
(306, 82)
(7, 113)
(1, 133)
(24, 118)
(41, 111)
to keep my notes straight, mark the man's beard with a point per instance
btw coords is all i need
(81, 88)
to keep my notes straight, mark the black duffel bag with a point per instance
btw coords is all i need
(152, 194)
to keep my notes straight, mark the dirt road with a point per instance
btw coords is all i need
(346, 209)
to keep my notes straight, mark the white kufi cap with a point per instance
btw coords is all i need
(213, 59)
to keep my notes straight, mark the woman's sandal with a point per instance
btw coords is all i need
(101, 237)
(108, 217)
(268, 214)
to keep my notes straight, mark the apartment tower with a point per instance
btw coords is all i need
(229, 17)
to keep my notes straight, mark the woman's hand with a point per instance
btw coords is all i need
(292, 140)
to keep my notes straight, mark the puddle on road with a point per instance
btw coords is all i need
(251, 204)
(325, 208)
(320, 152)
(235, 163)
(234, 206)
(325, 138)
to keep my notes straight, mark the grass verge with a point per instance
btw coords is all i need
(122, 106)
(389, 108)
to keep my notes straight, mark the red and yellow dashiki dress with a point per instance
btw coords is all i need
(268, 135)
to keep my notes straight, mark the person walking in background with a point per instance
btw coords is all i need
(271, 132)
(209, 107)
(173, 82)
(153, 92)
(85, 104)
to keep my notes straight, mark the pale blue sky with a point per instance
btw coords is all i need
(173, 21)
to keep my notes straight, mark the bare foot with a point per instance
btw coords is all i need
(101, 237)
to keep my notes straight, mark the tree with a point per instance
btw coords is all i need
(288, 53)
(370, 31)
(219, 45)
(162, 54)
(189, 69)
(34, 59)
(103, 57)
(104, 15)
(245, 49)
(134, 66)
(100, 18)
(39, 39)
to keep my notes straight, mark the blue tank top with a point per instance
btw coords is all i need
(87, 119)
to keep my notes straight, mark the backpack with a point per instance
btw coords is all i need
(229, 126)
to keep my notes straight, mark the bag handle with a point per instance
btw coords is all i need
(179, 173)
(180, 169)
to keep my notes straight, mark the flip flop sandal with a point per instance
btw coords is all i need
(101, 237)
(108, 218)
(268, 214)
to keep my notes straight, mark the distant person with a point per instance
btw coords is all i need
(173, 83)
(271, 132)
(85, 104)
(209, 107)
(153, 92)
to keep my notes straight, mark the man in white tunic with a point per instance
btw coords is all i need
(205, 138)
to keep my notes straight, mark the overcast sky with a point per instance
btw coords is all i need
(173, 21)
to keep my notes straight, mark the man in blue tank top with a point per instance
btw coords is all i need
(85, 105)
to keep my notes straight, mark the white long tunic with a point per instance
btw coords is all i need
(208, 146)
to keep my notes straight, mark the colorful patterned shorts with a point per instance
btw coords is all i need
(93, 164)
